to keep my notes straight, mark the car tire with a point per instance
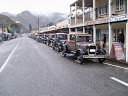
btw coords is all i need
(53, 47)
(58, 50)
(101, 60)
(80, 58)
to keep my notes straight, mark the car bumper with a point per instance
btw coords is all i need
(93, 56)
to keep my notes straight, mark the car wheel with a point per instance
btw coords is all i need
(80, 58)
(58, 50)
(53, 47)
(101, 60)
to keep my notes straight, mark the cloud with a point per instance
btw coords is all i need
(36, 6)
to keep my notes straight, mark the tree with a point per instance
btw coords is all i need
(30, 28)
(9, 31)
(15, 27)
(50, 24)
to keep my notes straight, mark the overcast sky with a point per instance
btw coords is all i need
(36, 6)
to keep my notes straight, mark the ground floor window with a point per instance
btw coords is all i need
(97, 34)
(116, 34)
(106, 33)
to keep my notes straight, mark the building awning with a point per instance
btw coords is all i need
(77, 25)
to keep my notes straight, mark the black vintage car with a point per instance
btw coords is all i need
(60, 39)
(50, 39)
(45, 38)
(40, 39)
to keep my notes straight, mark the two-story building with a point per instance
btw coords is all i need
(100, 17)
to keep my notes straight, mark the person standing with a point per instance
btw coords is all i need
(104, 40)
(121, 39)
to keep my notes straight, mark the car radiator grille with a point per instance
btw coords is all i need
(92, 50)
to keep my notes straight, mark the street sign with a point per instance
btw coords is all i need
(117, 52)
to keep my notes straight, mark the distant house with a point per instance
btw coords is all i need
(4, 30)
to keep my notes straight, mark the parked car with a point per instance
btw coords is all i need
(79, 45)
(45, 38)
(40, 39)
(60, 39)
(50, 39)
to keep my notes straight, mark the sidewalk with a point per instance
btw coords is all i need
(107, 55)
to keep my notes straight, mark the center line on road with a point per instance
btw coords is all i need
(119, 81)
(9, 57)
(116, 66)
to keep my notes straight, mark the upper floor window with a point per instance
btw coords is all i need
(87, 15)
(119, 5)
(103, 9)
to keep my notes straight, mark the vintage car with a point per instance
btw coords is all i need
(60, 39)
(80, 46)
(50, 39)
(40, 39)
(45, 38)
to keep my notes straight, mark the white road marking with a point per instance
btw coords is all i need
(119, 81)
(9, 57)
(116, 66)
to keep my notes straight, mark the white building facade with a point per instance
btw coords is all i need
(100, 17)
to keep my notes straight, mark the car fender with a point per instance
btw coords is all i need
(80, 50)
(103, 51)
(65, 48)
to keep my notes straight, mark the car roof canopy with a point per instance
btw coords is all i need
(60, 33)
(80, 34)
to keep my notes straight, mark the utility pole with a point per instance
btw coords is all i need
(38, 24)
(30, 28)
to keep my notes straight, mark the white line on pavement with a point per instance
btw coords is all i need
(116, 66)
(119, 81)
(9, 57)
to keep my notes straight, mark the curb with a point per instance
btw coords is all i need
(123, 62)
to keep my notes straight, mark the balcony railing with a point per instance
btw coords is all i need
(118, 8)
(102, 11)
(88, 15)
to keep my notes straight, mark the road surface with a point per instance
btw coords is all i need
(29, 68)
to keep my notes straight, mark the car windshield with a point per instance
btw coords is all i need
(83, 38)
(62, 36)
(52, 36)
(46, 35)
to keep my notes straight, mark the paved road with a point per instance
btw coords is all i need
(34, 69)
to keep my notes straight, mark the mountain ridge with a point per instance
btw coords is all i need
(26, 18)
